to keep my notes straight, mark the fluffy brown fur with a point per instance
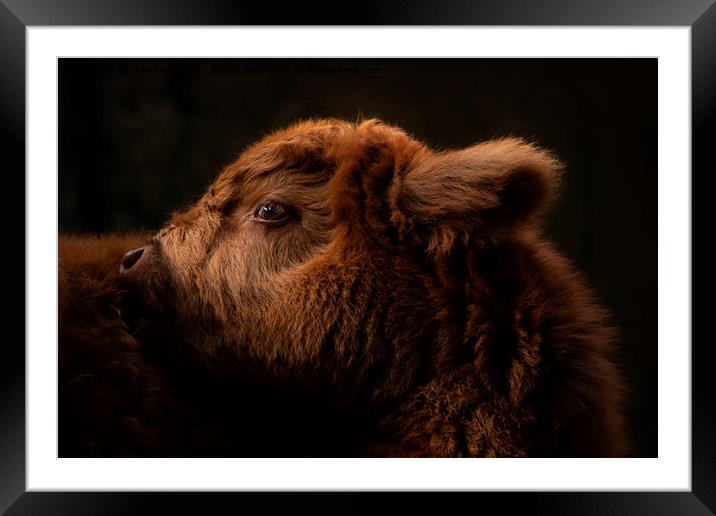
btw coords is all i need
(115, 399)
(404, 299)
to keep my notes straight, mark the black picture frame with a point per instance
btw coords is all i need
(17, 15)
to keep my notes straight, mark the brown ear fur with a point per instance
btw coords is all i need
(488, 189)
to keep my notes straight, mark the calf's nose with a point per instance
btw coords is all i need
(130, 259)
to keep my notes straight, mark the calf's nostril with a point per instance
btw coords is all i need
(131, 258)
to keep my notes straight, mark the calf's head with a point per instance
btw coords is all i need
(317, 251)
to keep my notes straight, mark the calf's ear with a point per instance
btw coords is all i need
(487, 190)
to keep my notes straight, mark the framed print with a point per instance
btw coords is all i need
(594, 128)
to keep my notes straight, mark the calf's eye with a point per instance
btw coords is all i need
(271, 212)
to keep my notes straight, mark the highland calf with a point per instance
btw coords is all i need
(350, 291)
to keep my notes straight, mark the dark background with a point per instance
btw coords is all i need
(139, 138)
